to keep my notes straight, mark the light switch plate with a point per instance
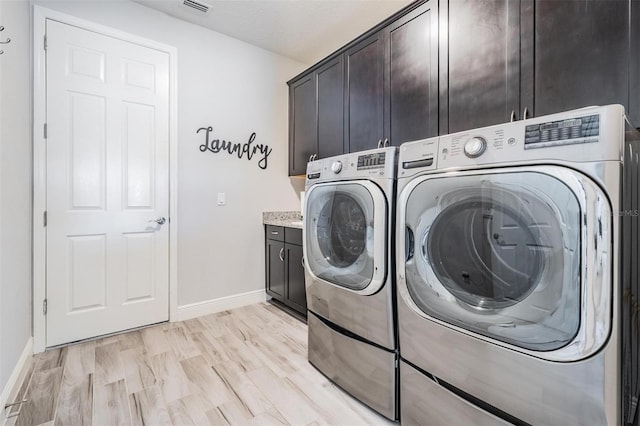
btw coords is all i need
(222, 198)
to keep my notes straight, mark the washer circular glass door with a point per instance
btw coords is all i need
(497, 254)
(346, 234)
(478, 259)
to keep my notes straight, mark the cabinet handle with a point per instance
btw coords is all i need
(380, 143)
(385, 143)
(281, 255)
(310, 158)
(525, 113)
(513, 115)
(274, 232)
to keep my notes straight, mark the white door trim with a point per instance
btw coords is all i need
(40, 15)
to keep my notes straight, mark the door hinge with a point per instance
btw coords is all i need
(45, 130)
(44, 307)
(44, 218)
(45, 42)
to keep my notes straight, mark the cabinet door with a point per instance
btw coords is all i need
(481, 60)
(295, 278)
(364, 94)
(331, 108)
(581, 54)
(276, 269)
(302, 124)
(411, 92)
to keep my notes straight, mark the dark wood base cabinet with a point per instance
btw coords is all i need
(284, 267)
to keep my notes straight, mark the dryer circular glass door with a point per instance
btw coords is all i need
(345, 235)
(499, 254)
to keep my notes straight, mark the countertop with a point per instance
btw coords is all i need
(288, 219)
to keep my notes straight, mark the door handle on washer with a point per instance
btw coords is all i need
(408, 244)
(159, 220)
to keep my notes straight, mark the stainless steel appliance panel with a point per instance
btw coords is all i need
(425, 402)
(531, 389)
(371, 318)
(363, 370)
(577, 380)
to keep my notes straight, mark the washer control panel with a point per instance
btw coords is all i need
(587, 134)
(563, 132)
(475, 146)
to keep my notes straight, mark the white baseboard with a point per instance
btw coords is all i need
(16, 378)
(207, 307)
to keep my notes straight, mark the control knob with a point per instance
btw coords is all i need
(336, 167)
(475, 146)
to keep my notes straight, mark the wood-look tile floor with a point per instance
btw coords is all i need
(240, 367)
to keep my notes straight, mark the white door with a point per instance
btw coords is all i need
(107, 180)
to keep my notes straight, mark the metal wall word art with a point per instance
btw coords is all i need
(247, 150)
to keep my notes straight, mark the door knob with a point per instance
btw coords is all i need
(159, 220)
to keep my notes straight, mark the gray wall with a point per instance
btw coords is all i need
(15, 186)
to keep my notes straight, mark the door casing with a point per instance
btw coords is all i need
(40, 15)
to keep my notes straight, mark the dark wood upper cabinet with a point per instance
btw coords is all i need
(364, 94)
(330, 95)
(411, 92)
(480, 63)
(316, 115)
(581, 54)
(391, 90)
(383, 87)
(515, 59)
(303, 139)
(446, 66)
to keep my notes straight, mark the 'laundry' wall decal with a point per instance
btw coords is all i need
(247, 149)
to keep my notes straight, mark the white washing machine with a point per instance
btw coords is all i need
(517, 273)
(348, 245)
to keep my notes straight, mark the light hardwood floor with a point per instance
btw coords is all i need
(241, 367)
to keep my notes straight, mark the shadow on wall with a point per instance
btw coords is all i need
(297, 184)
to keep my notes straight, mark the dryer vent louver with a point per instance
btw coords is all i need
(199, 6)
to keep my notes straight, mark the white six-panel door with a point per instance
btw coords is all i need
(107, 266)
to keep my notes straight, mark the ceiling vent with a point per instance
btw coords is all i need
(199, 6)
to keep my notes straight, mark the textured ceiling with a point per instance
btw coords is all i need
(303, 30)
